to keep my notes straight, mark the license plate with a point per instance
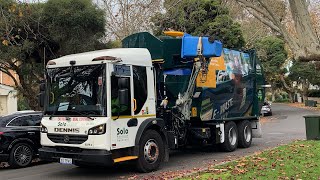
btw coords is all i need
(65, 160)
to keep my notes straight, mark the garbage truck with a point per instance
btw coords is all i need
(153, 95)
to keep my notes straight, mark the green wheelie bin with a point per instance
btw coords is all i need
(312, 127)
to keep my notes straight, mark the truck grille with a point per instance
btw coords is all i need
(67, 138)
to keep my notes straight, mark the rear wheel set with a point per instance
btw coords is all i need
(236, 135)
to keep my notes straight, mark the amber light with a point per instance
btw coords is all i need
(101, 58)
(51, 63)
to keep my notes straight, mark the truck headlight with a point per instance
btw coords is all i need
(43, 129)
(97, 130)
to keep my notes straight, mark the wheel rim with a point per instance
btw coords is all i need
(232, 136)
(247, 134)
(151, 151)
(22, 155)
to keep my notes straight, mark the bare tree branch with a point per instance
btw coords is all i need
(265, 21)
(259, 10)
(302, 40)
(125, 17)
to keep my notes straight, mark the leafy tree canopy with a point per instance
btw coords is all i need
(31, 32)
(272, 53)
(75, 24)
(200, 17)
(305, 71)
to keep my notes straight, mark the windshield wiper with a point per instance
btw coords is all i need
(86, 115)
(54, 112)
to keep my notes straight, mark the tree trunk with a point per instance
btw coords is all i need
(302, 39)
(33, 102)
(305, 88)
(309, 44)
(28, 88)
(291, 96)
(273, 99)
(288, 88)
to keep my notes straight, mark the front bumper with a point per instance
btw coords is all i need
(83, 156)
(266, 112)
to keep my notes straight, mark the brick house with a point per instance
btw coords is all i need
(8, 95)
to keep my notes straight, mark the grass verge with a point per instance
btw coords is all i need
(298, 160)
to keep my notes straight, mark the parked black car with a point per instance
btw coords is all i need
(19, 138)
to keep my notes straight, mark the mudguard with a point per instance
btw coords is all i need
(20, 140)
(153, 123)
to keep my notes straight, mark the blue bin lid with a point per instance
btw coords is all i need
(178, 72)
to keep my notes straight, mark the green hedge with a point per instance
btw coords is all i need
(282, 100)
(314, 93)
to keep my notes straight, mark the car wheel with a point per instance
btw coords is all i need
(21, 155)
(151, 151)
(245, 134)
(231, 137)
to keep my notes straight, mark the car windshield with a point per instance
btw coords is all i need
(76, 90)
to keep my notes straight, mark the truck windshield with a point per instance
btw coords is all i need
(77, 91)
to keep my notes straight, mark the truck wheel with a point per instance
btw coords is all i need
(231, 137)
(20, 155)
(245, 134)
(151, 151)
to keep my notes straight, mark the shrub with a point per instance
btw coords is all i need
(314, 93)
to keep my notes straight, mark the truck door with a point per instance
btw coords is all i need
(121, 134)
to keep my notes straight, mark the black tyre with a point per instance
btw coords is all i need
(151, 151)
(245, 134)
(230, 137)
(21, 155)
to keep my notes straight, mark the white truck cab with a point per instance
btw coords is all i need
(95, 104)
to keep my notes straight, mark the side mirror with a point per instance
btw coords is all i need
(41, 97)
(123, 95)
(123, 83)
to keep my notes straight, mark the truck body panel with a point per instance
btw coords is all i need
(228, 90)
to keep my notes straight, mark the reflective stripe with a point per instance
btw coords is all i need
(126, 158)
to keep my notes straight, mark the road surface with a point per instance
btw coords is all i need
(286, 125)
